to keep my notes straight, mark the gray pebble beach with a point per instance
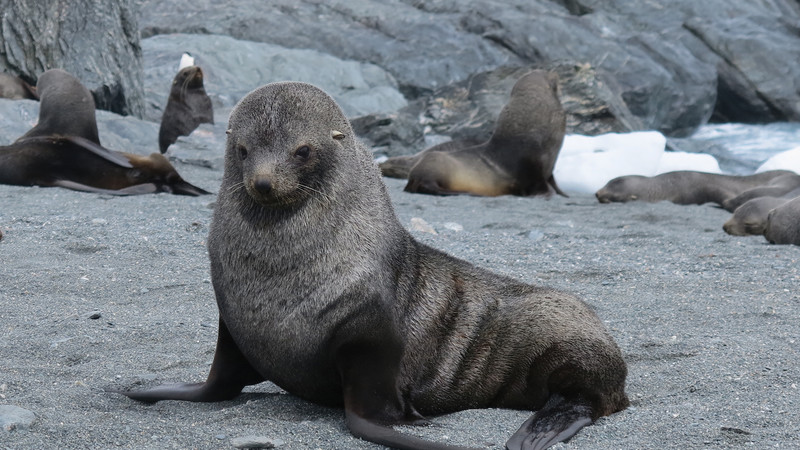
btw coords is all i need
(102, 292)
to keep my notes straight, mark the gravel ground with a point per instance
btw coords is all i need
(101, 292)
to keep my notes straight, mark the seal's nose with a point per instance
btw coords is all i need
(263, 185)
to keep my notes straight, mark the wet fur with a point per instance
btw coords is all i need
(321, 290)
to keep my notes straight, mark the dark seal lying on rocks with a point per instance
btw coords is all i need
(63, 149)
(188, 106)
(683, 187)
(323, 292)
(518, 159)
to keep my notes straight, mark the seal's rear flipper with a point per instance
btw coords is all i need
(182, 187)
(230, 372)
(551, 184)
(557, 421)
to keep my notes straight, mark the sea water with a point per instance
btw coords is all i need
(749, 145)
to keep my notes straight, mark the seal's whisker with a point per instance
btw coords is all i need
(235, 187)
(317, 191)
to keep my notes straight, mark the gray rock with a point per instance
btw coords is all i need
(674, 65)
(232, 68)
(256, 442)
(421, 48)
(468, 110)
(15, 418)
(102, 50)
(756, 76)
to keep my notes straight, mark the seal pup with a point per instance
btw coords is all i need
(15, 88)
(776, 187)
(517, 159)
(188, 106)
(684, 187)
(322, 291)
(783, 223)
(63, 149)
(751, 217)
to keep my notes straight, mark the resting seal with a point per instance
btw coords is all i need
(15, 88)
(776, 187)
(322, 291)
(188, 106)
(63, 149)
(683, 187)
(518, 159)
(783, 223)
(751, 217)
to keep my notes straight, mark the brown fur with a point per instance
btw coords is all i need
(682, 187)
(322, 291)
(517, 160)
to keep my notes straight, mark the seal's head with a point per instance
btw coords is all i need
(288, 142)
(190, 77)
(622, 189)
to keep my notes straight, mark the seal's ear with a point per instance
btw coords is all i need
(338, 135)
(228, 131)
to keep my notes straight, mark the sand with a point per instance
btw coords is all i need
(100, 292)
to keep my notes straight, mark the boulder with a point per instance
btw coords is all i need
(676, 65)
(101, 49)
(232, 68)
(468, 110)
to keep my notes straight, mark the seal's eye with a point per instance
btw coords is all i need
(302, 152)
(242, 151)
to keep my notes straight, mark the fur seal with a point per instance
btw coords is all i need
(63, 149)
(15, 88)
(783, 223)
(751, 217)
(518, 159)
(776, 187)
(322, 291)
(684, 187)
(188, 106)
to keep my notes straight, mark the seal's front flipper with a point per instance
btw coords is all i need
(109, 155)
(230, 372)
(75, 186)
(372, 401)
(557, 421)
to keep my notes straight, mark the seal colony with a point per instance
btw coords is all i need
(518, 159)
(323, 292)
(686, 187)
(63, 149)
(753, 199)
